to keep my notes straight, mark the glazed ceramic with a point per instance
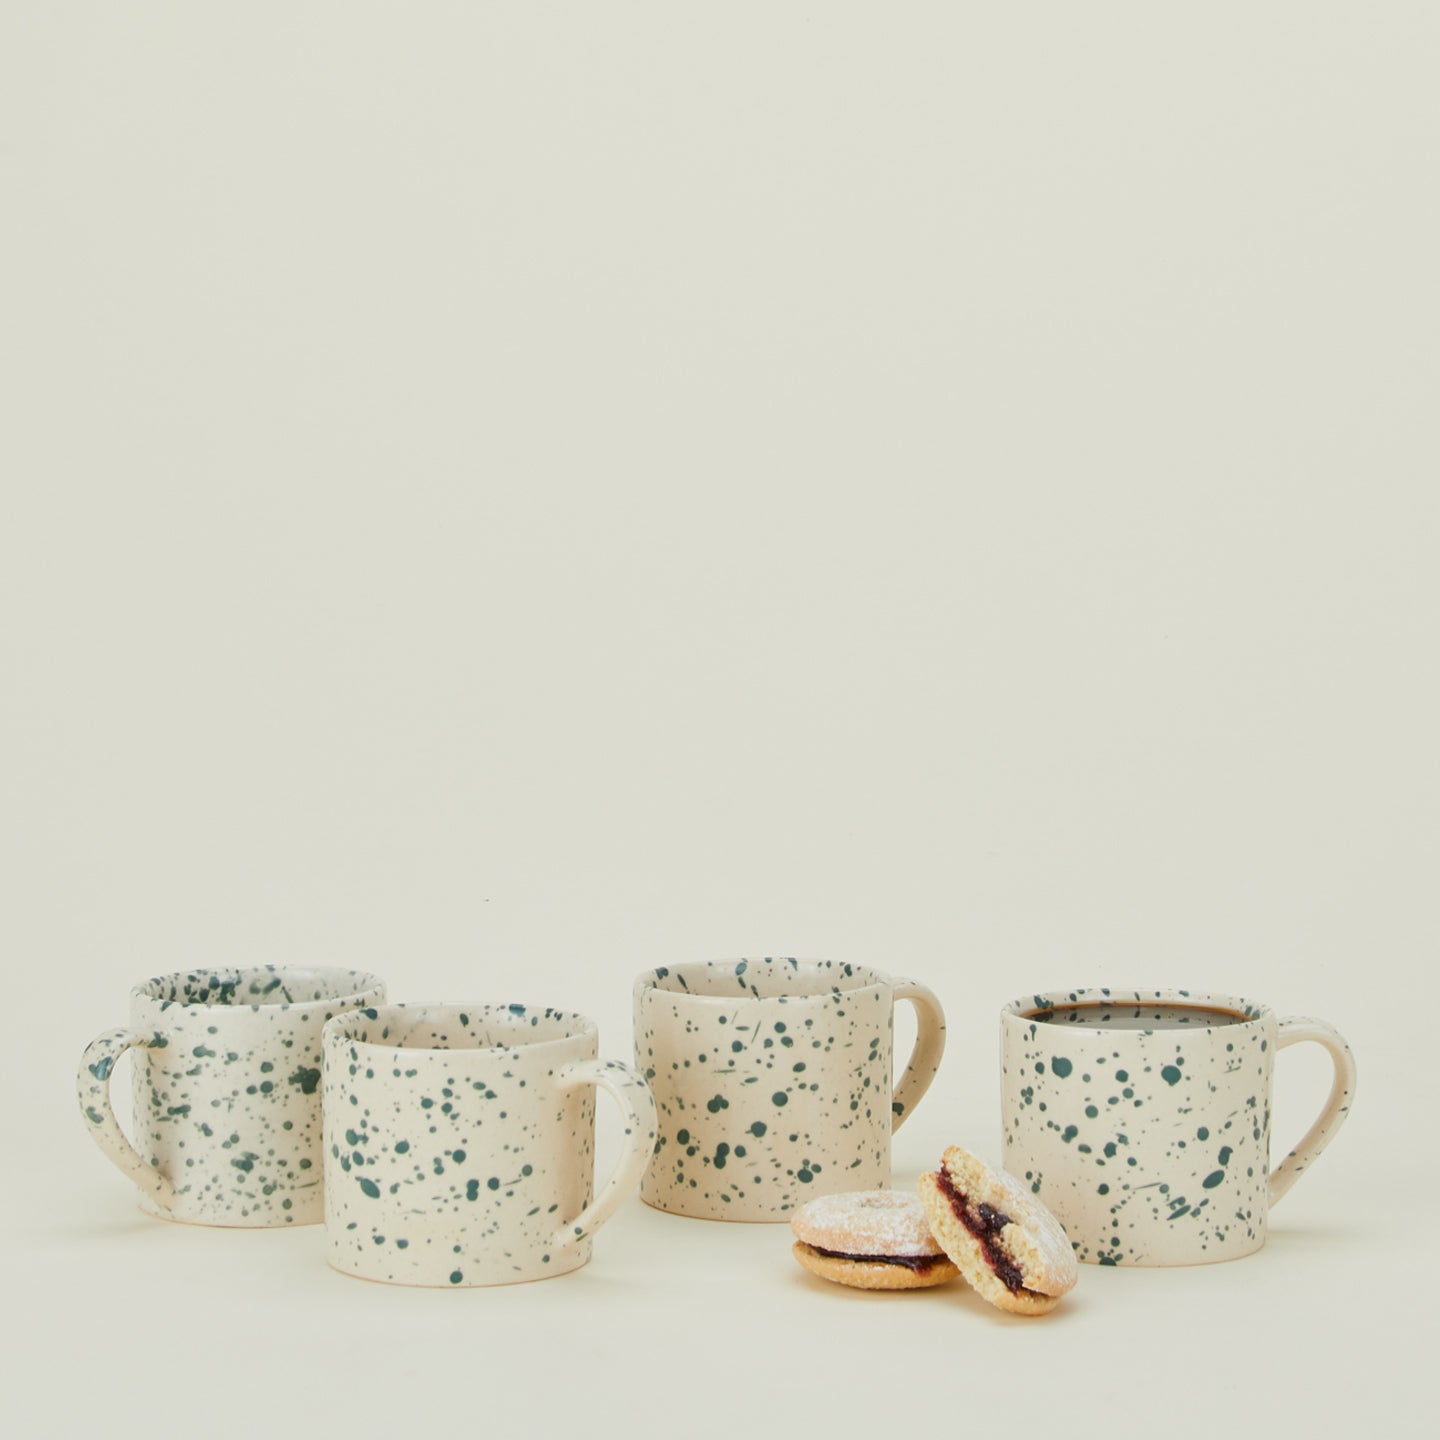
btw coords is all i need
(460, 1143)
(773, 1081)
(226, 1084)
(1152, 1145)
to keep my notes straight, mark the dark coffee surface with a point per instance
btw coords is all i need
(1138, 1017)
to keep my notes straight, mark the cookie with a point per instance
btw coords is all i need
(1005, 1242)
(871, 1240)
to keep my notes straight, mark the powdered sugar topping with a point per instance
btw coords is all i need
(866, 1222)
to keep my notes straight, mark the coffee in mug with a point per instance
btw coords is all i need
(1142, 1118)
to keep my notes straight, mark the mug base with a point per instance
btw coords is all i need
(146, 1206)
(1187, 1262)
(729, 1217)
(550, 1273)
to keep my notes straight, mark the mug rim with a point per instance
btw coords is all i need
(649, 980)
(581, 1027)
(358, 984)
(1028, 1007)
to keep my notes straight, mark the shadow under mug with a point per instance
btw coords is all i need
(773, 1080)
(460, 1143)
(226, 1085)
(1142, 1118)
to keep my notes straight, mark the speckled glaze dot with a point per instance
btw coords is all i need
(460, 1143)
(226, 1084)
(1142, 1118)
(773, 1080)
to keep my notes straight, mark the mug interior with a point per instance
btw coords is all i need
(1111, 1009)
(260, 985)
(773, 978)
(458, 1027)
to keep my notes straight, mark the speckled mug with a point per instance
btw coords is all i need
(226, 1085)
(1151, 1144)
(773, 1080)
(460, 1143)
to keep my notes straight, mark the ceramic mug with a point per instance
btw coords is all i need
(460, 1143)
(226, 1086)
(773, 1081)
(1142, 1118)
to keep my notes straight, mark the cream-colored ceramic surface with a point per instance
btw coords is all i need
(1151, 1143)
(226, 1082)
(773, 1080)
(460, 1143)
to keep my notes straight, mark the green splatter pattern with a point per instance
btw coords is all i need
(1145, 1129)
(459, 1143)
(219, 1137)
(773, 1082)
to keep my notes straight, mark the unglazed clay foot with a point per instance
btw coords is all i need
(1005, 1242)
(871, 1240)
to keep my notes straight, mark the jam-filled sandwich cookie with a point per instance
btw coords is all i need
(870, 1239)
(1006, 1243)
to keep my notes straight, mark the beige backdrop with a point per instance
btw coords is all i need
(510, 495)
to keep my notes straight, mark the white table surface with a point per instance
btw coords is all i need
(124, 1322)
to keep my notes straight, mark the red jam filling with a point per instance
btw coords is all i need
(918, 1263)
(985, 1224)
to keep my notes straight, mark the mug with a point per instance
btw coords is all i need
(460, 1143)
(773, 1081)
(226, 1086)
(1142, 1118)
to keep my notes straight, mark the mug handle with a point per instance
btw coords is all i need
(92, 1086)
(925, 1057)
(637, 1105)
(1293, 1030)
